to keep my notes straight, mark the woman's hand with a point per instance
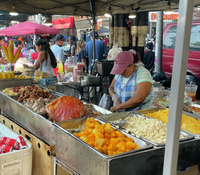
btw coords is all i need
(115, 108)
(25, 66)
(116, 100)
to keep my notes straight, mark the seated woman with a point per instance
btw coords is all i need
(132, 85)
(46, 57)
(18, 44)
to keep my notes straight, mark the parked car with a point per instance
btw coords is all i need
(169, 39)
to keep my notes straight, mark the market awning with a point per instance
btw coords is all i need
(26, 28)
(63, 23)
(83, 6)
(103, 31)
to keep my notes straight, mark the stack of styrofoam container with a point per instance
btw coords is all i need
(18, 162)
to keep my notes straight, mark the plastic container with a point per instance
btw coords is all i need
(16, 162)
(191, 91)
(78, 78)
(80, 66)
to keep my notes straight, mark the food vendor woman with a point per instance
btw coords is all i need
(46, 57)
(132, 85)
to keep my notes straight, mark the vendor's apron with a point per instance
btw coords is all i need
(128, 91)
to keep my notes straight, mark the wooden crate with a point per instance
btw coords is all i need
(42, 152)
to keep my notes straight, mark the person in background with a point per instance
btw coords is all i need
(149, 58)
(2, 60)
(73, 46)
(45, 56)
(88, 38)
(34, 55)
(18, 44)
(105, 40)
(81, 55)
(100, 50)
(132, 84)
(56, 48)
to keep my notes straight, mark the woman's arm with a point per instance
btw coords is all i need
(143, 89)
(41, 57)
(73, 50)
(111, 88)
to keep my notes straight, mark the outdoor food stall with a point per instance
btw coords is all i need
(100, 147)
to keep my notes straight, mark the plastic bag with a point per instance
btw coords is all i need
(68, 77)
(65, 108)
(113, 52)
(105, 101)
(158, 76)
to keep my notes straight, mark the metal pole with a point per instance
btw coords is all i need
(159, 41)
(92, 4)
(178, 86)
(150, 29)
(93, 29)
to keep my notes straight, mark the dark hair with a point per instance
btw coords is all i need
(34, 48)
(17, 43)
(136, 57)
(73, 38)
(1, 38)
(45, 47)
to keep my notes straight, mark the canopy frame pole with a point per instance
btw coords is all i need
(178, 86)
(92, 4)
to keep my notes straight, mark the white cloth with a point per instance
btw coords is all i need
(47, 67)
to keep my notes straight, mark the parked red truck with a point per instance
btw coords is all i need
(169, 38)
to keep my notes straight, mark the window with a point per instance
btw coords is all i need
(170, 38)
(195, 38)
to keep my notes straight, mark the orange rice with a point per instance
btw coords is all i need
(188, 123)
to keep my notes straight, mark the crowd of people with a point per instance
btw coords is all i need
(132, 84)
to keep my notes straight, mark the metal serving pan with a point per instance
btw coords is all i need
(187, 113)
(110, 118)
(85, 159)
(69, 125)
(33, 122)
(6, 83)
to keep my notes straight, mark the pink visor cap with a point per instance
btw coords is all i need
(122, 60)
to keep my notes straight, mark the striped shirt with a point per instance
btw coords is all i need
(143, 75)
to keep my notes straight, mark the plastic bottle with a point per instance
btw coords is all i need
(9, 75)
(4, 76)
(12, 75)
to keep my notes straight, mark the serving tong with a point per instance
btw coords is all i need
(196, 113)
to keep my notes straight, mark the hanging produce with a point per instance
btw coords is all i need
(9, 53)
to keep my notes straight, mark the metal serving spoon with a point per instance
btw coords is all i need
(85, 118)
(122, 122)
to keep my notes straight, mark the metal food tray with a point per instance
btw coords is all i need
(85, 159)
(99, 109)
(195, 105)
(33, 122)
(143, 145)
(6, 83)
(187, 113)
(110, 118)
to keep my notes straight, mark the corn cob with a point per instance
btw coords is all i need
(6, 52)
(12, 45)
(16, 56)
(10, 53)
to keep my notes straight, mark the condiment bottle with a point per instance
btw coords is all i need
(4, 76)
